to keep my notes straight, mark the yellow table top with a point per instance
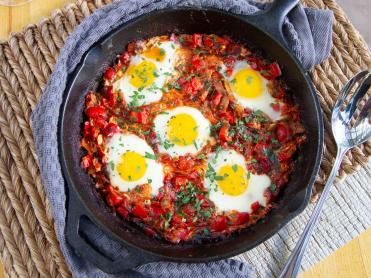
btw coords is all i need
(349, 261)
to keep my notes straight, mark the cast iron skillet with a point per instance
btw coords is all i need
(263, 31)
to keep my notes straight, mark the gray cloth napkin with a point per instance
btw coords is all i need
(308, 32)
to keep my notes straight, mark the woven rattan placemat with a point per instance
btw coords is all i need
(28, 242)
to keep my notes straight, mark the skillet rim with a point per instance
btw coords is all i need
(318, 157)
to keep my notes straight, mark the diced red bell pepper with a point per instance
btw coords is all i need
(90, 100)
(139, 117)
(188, 89)
(110, 129)
(283, 156)
(255, 206)
(179, 182)
(220, 223)
(194, 174)
(87, 129)
(108, 91)
(109, 96)
(125, 58)
(185, 163)
(271, 71)
(96, 111)
(270, 195)
(196, 84)
(114, 199)
(176, 219)
(123, 211)
(142, 117)
(274, 70)
(86, 161)
(282, 133)
(182, 80)
(265, 165)
(224, 134)
(197, 40)
(229, 71)
(229, 61)
(216, 99)
(229, 116)
(140, 211)
(208, 41)
(254, 63)
(276, 107)
(149, 231)
(261, 148)
(242, 218)
(99, 122)
(281, 92)
(157, 210)
(131, 47)
(196, 63)
(182, 234)
(109, 74)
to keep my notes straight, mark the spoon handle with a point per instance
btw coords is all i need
(292, 266)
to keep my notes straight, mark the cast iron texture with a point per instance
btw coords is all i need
(263, 31)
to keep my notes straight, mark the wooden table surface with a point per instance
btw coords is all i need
(352, 260)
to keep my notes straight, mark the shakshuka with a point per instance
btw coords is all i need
(191, 137)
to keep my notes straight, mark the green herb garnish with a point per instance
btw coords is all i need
(149, 155)
(234, 168)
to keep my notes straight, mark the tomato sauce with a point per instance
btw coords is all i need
(182, 210)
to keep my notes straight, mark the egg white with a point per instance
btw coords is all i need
(160, 124)
(121, 143)
(164, 69)
(262, 102)
(257, 184)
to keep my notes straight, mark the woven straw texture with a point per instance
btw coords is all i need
(28, 243)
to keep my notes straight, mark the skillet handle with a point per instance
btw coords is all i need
(271, 20)
(87, 251)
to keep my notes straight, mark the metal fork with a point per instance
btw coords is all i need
(348, 132)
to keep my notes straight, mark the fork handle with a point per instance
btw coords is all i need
(292, 266)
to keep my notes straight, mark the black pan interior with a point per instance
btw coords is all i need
(87, 76)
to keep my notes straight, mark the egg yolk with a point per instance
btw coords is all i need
(234, 181)
(247, 83)
(182, 130)
(142, 75)
(155, 53)
(132, 166)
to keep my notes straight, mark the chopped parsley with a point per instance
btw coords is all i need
(188, 195)
(168, 144)
(195, 144)
(210, 172)
(149, 155)
(219, 178)
(201, 156)
(248, 175)
(207, 214)
(249, 79)
(234, 167)
(112, 165)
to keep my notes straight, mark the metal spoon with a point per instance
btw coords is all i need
(348, 132)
